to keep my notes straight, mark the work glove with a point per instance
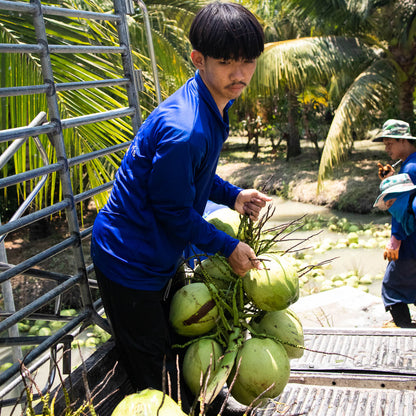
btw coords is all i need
(391, 252)
(385, 171)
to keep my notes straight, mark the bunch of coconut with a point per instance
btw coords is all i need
(242, 331)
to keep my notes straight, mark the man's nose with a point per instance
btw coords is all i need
(237, 72)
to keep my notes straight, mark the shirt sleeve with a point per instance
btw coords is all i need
(172, 192)
(224, 192)
(397, 230)
(410, 169)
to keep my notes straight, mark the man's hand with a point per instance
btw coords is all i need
(385, 171)
(243, 258)
(250, 202)
(391, 252)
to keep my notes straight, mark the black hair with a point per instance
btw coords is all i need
(227, 31)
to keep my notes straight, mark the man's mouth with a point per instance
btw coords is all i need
(235, 85)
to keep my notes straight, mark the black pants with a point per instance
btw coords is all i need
(143, 336)
(401, 315)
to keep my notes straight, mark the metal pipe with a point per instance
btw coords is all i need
(37, 258)
(19, 6)
(15, 146)
(151, 48)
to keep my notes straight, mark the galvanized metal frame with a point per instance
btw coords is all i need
(130, 78)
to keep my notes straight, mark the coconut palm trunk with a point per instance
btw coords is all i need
(293, 140)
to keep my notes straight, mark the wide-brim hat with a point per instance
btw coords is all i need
(395, 129)
(391, 185)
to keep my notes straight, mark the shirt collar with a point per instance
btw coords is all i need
(206, 95)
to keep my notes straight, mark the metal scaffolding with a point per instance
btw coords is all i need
(51, 123)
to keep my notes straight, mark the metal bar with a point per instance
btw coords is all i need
(93, 118)
(30, 174)
(84, 14)
(14, 147)
(27, 48)
(86, 49)
(41, 117)
(44, 274)
(26, 264)
(52, 127)
(151, 48)
(67, 86)
(97, 190)
(20, 132)
(97, 153)
(90, 84)
(10, 306)
(56, 11)
(20, 48)
(369, 381)
(127, 61)
(50, 341)
(31, 369)
(17, 6)
(41, 316)
(33, 217)
(26, 90)
(358, 331)
(9, 341)
(26, 203)
(38, 303)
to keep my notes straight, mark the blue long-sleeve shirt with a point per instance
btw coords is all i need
(161, 189)
(408, 245)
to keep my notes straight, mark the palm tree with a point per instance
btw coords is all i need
(295, 63)
(278, 26)
(381, 82)
(294, 66)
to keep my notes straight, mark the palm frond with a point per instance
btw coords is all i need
(368, 93)
(297, 62)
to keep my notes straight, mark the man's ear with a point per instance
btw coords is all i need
(197, 59)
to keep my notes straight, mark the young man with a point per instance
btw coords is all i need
(162, 187)
(400, 251)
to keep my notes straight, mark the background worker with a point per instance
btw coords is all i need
(162, 187)
(400, 251)
(397, 196)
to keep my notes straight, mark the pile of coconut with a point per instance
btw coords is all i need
(242, 333)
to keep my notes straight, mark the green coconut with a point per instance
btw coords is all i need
(275, 287)
(262, 365)
(225, 219)
(148, 402)
(193, 311)
(217, 268)
(200, 356)
(286, 327)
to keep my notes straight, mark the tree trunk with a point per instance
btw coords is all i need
(406, 102)
(293, 141)
(309, 135)
(405, 59)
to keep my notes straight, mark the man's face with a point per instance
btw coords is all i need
(225, 79)
(394, 148)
